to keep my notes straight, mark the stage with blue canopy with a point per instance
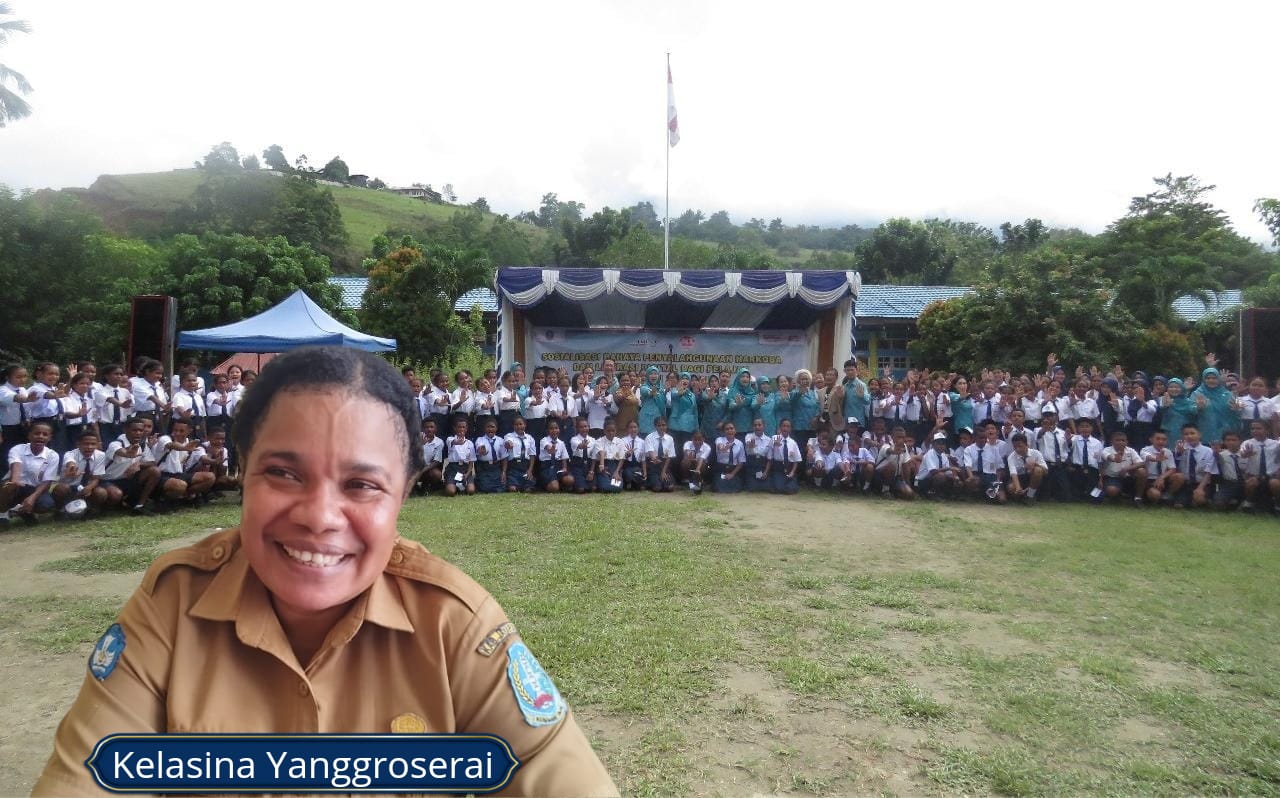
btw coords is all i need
(819, 303)
(295, 322)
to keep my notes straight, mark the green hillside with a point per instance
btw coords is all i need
(138, 204)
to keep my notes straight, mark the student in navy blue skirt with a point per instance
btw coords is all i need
(581, 462)
(731, 458)
(784, 461)
(522, 451)
(553, 460)
(490, 451)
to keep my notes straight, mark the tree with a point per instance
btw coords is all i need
(301, 164)
(377, 183)
(336, 170)
(305, 213)
(638, 249)
(481, 204)
(643, 214)
(687, 223)
(719, 228)
(902, 251)
(447, 193)
(275, 159)
(586, 239)
(1269, 211)
(1049, 302)
(12, 107)
(1174, 243)
(222, 158)
(411, 293)
(218, 279)
(1023, 237)
(250, 163)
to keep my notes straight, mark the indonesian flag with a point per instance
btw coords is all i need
(673, 126)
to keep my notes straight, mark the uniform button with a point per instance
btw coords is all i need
(303, 689)
(218, 551)
(397, 556)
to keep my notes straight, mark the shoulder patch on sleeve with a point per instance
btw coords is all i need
(107, 652)
(495, 637)
(208, 554)
(540, 702)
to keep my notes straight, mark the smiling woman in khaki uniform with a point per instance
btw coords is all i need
(314, 615)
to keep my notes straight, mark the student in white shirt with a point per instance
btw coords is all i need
(1229, 490)
(459, 462)
(13, 404)
(1081, 406)
(179, 481)
(784, 461)
(484, 404)
(635, 471)
(462, 399)
(1256, 406)
(731, 458)
(439, 402)
(115, 404)
(217, 461)
(660, 451)
(608, 458)
(534, 408)
(756, 444)
(1027, 469)
(938, 476)
(1122, 470)
(522, 454)
(984, 464)
(220, 404)
(696, 454)
(82, 473)
(598, 402)
(858, 462)
(988, 406)
(1085, 460)
(433, 455)
(79, 410)
(149, 396)
(1160, 466)
(1054, 447)
(827, 467)
(33, 468)
(188, 405)
(44, 402)
(1197, 466)
(132, 475)
(895, 469)
(490, 455)
(581, 464)
(189, 366)
(1261, 464)
(553, 460)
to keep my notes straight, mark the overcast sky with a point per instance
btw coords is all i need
(824, 113)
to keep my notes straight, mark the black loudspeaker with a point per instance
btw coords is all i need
(153, 325)
(1259, 351)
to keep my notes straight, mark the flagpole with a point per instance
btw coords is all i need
(666, 214)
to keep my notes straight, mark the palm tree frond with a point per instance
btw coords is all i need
(12, 107)
(7, 74)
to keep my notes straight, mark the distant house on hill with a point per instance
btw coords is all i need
(424, 193)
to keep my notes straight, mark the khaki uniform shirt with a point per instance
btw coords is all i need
(205, 652)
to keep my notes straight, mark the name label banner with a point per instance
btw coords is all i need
(281, 763)
(767, 353)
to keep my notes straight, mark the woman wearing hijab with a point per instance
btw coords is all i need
(1216, 405)
(683, 403)
(653, 399)
(712, 407)
(741, 399)
(766, 404)
(1177, 409)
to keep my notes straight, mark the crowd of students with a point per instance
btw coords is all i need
(145, 443)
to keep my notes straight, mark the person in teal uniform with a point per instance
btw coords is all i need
(855, 397)
(1176, 409)
(740, 400)
(711, 407)
(653, 400)
(1216, 406)
(781, 405)
(806, 409)
(765, 405)
(683, 406)
(961, 407)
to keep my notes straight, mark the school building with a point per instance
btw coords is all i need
(885, 315)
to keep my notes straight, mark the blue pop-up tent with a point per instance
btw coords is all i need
(295, 322)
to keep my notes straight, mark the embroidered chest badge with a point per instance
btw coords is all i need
(107, 652)
(408, 723)
(540, 702)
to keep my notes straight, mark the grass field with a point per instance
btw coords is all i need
(137, 201)
(810, 646)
